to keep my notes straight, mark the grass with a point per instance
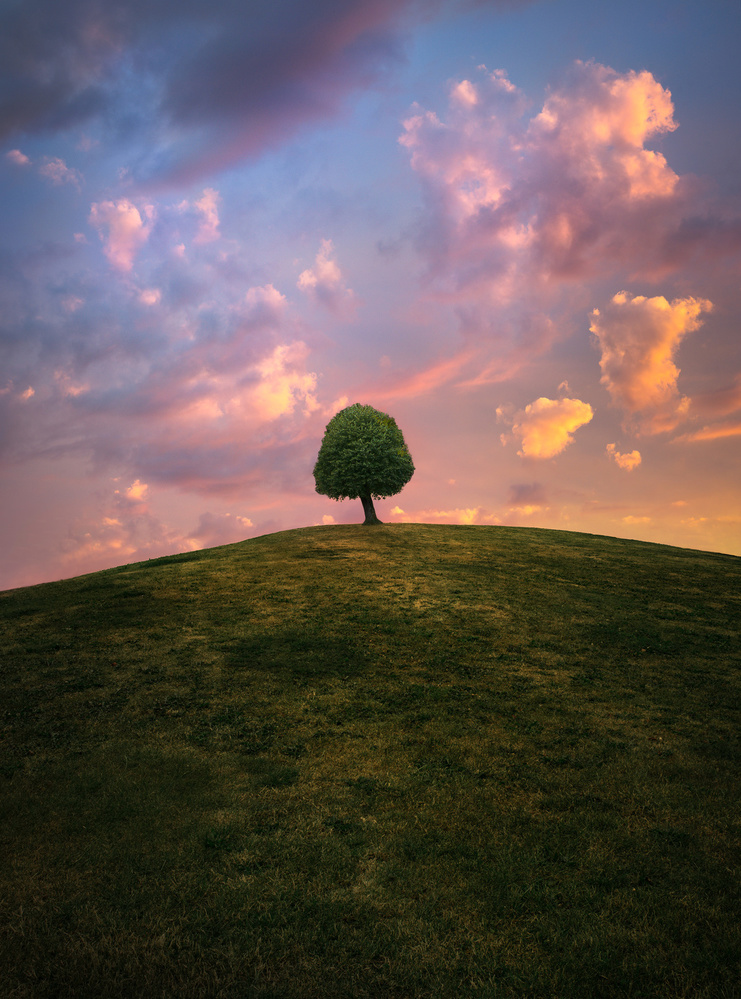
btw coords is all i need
(404, 761)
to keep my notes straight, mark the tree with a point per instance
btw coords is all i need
(363, 455)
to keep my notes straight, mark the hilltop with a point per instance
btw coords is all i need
(407, 760)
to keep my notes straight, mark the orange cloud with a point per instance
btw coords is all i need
(283, 382)
(638, 338)
(457, 516)
(626, 461)
(546, 426)
(717, 432)
(137, 491)
(127, 232)
(719, 402)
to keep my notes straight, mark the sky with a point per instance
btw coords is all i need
(513, 226)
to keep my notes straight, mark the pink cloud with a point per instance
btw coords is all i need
(17, 157)
(121, 529)
(150, 296)
(57, 171)
(518, 206)
(264, 307)
(600, 122)
(127, 232)
(545, 427)
(323, 283)
(421, 382)
(219, 529)
(638, 338)
(208, 207)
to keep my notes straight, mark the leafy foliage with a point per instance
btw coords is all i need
(363, 453)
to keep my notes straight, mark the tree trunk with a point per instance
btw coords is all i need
(369, 510)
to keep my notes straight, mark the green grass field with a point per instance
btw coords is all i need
(402, 761)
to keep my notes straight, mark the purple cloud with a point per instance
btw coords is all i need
(244, 75)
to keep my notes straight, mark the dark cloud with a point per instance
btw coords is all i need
(527, 494)
(53, 63)
(245, 74)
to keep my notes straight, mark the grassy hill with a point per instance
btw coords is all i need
(403, 761)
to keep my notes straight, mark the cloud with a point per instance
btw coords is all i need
(468, 515)
(137, 491)
(546, 426)
(127, 231)
(625, 461)
(121, 529)
(526, 499)
(208, 206)
(719, 431)
(150, 296)
(68, 386)
(17, 157)
(265, 307)
(638, 338)
(722, 401)
(219, 529)
(224, 80)
(420, 382)
(185, 375)
(323, 283)
(519, 205)
(57, 171)
(284, 383)
(527, 494)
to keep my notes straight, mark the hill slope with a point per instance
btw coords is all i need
(411, 760)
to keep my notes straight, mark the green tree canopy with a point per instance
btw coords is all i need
(363, 455)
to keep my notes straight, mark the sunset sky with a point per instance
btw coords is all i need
(514, 226)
